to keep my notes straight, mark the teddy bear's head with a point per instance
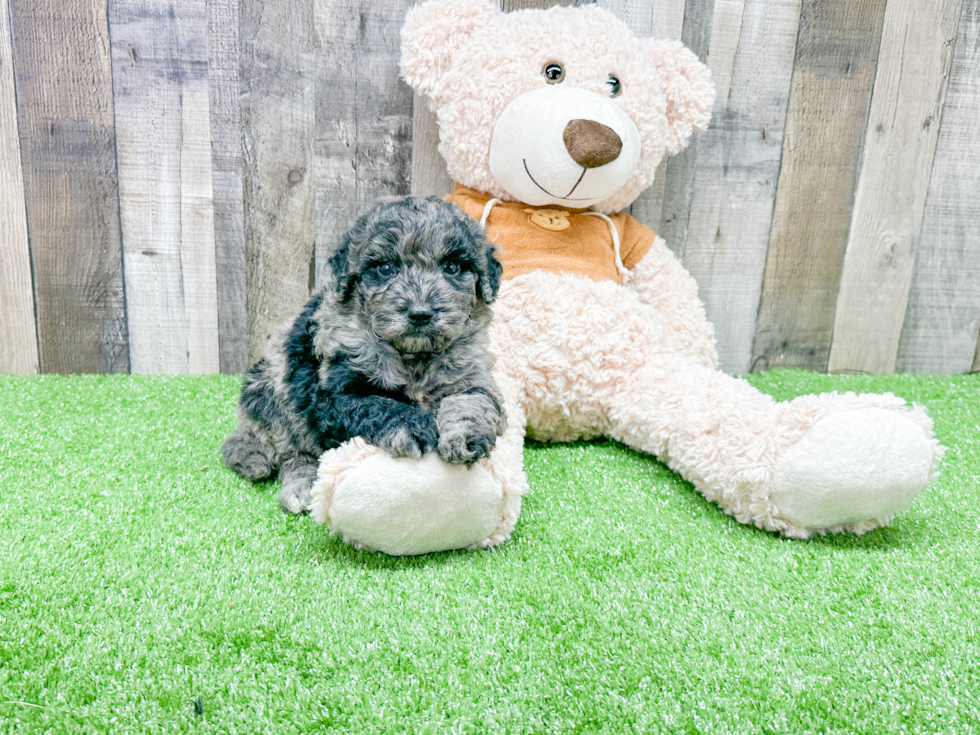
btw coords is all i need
(564, 106)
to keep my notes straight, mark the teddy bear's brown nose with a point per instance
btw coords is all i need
(591, 143)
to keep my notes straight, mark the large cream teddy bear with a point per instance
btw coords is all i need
(552, 122)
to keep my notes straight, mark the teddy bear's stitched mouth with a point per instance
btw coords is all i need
(567, 197)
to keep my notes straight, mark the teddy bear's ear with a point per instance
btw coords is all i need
(432, 33)
(688, 87)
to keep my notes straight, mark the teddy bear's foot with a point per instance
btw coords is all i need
(853, 470)
(411, 506)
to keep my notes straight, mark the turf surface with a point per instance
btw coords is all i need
(144, 588)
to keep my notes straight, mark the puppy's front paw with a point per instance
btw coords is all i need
(297, 477)
(414, 436)
(466, 444)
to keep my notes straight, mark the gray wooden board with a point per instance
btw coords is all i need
(363, 115)
(278, 47)
(226, 163)
(917, 41)
(160, 82)
(734, 184)
(18, 332)
(510, 5)
(67, 140)
(429, 174)
(678, 171)
(833, 75)
(943, 316)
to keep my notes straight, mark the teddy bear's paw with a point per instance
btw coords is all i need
(402, 506)
(854, 469)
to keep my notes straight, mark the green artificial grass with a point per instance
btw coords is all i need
(145, 588)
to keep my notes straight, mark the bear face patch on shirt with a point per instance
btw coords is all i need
(554, 220)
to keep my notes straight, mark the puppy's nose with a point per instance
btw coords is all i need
(591, 143)
(419, 314)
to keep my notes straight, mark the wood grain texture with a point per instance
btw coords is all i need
(906, 111)
(278, 47)
(942, 321)
(363, 115)
(227, 180)
(429, 174)
(678, 171)
(160, 81)
(734, 181)
(18, 332)
(833, 75)
(67, 140)
(663, 19)
(510, 5)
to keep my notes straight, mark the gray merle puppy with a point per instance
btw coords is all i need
(393, 349)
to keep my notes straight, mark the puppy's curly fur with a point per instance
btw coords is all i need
(393, 349)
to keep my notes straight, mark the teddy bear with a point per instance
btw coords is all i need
(552, 122)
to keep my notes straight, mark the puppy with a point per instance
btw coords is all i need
(393, 349)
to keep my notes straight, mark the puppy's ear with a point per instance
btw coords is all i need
(489, 276)
(344, 278)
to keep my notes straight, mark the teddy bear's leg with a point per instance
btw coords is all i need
(407, 506)
(817, 464)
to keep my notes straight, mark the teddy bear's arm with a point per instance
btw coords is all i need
(661, 281)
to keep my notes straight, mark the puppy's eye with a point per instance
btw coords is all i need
(386, 270)
(615, 86)
(452, 268)
(553, 73)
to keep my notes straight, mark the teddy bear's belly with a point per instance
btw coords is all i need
(566, 342)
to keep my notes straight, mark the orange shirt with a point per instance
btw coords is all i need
(557, 240)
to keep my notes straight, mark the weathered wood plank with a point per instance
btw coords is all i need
(943, 316)
(679, 170)
(18, 332)
(278, 73)
(510, 5)
(663, 19)
(429, 174)
(67, 135)
(913, 65)
(227, 180)
(160, 82)
(836, 59)
(734, 185)
(364, 114)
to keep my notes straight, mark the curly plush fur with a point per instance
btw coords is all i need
(393, 349)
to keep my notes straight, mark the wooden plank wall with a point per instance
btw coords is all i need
(18, 334)
(167, 197)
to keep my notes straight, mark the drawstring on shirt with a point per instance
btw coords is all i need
(620, 268)
(623, 273)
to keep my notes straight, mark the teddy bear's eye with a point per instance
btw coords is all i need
(553, 73)
(615, 87)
